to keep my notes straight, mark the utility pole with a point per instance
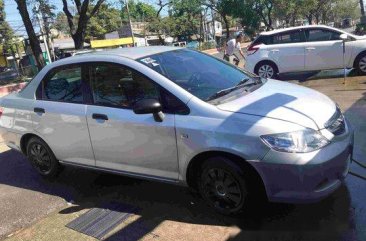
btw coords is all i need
(40, 22)
(130, 23)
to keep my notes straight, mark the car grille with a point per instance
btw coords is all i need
(336, 124)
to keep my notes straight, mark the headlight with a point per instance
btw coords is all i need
(299, 141)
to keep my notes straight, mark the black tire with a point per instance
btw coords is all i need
(222, 185)
(360, 64)
(266, 69)
(42, 158)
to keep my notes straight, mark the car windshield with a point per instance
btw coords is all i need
(206, 77)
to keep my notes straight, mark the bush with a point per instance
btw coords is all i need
(360, 29)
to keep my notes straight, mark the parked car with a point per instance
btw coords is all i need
(181, 116)
(305, 48)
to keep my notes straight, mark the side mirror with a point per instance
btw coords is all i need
(344, 37)
(149, 106)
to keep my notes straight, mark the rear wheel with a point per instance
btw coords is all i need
(267, 70)
(42, 158)
(222, 185)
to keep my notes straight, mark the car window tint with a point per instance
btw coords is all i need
(321, 35)
(288, 37)
(64, 85)
(115, 85)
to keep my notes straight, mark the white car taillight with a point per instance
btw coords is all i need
(252, 49)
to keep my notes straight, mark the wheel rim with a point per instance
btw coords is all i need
(222, 190)
(266, 71)
(362, 64)
(40, 158)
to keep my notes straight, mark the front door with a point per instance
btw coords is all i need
(324, 50)
(125, 141)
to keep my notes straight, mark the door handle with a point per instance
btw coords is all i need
(310, 48)
(275, 50)
(99, 116)
(39, 110)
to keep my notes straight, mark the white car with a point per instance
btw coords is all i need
(304, 48)
(184, 117)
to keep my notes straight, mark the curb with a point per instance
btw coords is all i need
(7, 89)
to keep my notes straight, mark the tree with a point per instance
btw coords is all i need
(79, 23)
(186, 16)
(139, 11)
(225, 9)
(6, 32)
(342, 9)
(287, 11)
(104, 21)
(33, 39)
(60, 23)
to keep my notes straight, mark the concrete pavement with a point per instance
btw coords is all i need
(32, 208)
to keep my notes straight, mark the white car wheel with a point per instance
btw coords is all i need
(362, 64)
(266, 71)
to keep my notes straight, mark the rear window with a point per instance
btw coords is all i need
(63, 84)
(262, 39)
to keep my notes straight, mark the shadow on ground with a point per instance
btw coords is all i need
(330, 219)
(312, 75)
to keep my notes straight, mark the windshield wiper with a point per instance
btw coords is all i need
(241, 84)
(223, 92)
(243, 81)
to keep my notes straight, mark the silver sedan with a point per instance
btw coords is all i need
(181, 116)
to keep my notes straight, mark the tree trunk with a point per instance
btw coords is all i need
(310, 18)
(227, 27)
(33, 39)
(78, 40)
(362, 8)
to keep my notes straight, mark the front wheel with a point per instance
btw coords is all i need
(361, 64)
(42, 158)
(266, 70)
(222, 185)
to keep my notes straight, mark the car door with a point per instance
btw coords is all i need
(132, 143)
(287, 51)
(59, 114)
(324, 49)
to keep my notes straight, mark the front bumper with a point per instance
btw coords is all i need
(306, 177)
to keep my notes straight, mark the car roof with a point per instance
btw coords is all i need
(133, 52)
(295, 28)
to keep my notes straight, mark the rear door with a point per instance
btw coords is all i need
(124, 141)
(324, 49)
(287, 50)
(59, 114)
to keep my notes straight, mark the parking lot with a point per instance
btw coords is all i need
(32, 208)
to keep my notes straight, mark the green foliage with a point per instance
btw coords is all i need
(139, 11)
(60, 23)
(6, 32)
(106, 20)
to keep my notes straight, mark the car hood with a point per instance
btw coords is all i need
(285, 101)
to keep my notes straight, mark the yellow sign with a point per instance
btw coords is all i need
(110, 42)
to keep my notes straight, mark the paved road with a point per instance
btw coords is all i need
(173, 213)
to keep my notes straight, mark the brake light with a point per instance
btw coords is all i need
(252, 49)
(1, 111)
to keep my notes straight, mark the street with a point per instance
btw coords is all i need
(32, 208)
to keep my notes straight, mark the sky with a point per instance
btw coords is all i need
(15, 21)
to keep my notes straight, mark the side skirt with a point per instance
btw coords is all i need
(124, 173)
